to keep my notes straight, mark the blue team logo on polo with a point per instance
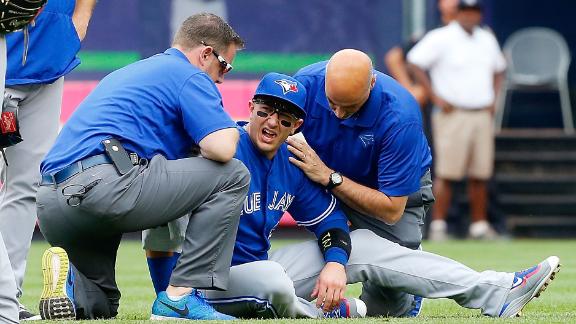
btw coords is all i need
(287, 85)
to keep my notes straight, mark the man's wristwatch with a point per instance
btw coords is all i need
(334, 180)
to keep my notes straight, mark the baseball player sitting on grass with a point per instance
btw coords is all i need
(283, 283)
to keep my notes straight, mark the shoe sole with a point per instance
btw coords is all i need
(54, 302)
(165, 318)
(555, 265)
(32, 318)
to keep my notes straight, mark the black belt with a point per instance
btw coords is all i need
(73, 169)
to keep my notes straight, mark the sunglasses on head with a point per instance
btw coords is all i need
(286, 119)
(224, 66)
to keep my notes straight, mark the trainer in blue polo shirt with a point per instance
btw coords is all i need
(160, 105)
(370, 150)
(367, 146)
(164, 109)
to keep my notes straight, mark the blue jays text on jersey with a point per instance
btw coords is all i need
(280, 201)
(278, 186)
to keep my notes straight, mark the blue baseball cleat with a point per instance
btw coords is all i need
(416, 307)
(191, 307)
(529, 284)
(57, 300)
(348, 308)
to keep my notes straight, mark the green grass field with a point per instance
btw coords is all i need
(556, 305)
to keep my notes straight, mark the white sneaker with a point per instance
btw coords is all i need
(348, 308)
(481, 230)
(438, 230)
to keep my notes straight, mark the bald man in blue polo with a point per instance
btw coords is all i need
(365, 143)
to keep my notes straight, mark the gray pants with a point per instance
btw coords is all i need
(150, 195)
(388, 265)
(39, 116)
(281, 287)
(8, 302)
(262, 289)
(406, 232)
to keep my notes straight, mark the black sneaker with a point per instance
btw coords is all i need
(26, 315)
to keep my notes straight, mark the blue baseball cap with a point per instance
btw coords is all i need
(282, 92)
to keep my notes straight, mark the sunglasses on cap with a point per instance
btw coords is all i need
(224, 66)
(286, 119)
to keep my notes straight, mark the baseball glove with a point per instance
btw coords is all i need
(16, 14)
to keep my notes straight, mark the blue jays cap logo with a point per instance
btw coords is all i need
(287, 85)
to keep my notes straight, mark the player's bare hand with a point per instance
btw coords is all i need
(330, 286)
(308, 161)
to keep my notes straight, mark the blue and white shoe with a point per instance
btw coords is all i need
(528, 284)
(57, 299)
(416, 307)
(348, 308)
(191, 307)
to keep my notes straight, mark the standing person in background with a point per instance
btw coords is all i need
(38, 60)
(466, 68)
(399, 69)
(367, 146)
(12, 20)
(395, 58)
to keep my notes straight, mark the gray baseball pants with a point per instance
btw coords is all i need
(406, 232)
(388, 265)
(8, 302)
(39, 115)
(281, 287)
(150, 195)
(262, 289)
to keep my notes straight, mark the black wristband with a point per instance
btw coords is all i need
(335, 237)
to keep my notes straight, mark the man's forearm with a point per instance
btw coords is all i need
(370, 202)
(81, 16)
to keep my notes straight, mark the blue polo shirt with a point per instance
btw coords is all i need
(159, 105)
(277, 186)
(52, 46)
(382, 146)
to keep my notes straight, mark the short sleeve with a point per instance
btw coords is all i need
(201, 107)
(500, 60)
(399, 161)
(426, 52)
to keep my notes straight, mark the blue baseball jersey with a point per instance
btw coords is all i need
(52, 46)
(382, 146)
(277, 186)
(159, 105)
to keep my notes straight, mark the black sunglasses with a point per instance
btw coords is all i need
(286, 119)
(225, 66)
